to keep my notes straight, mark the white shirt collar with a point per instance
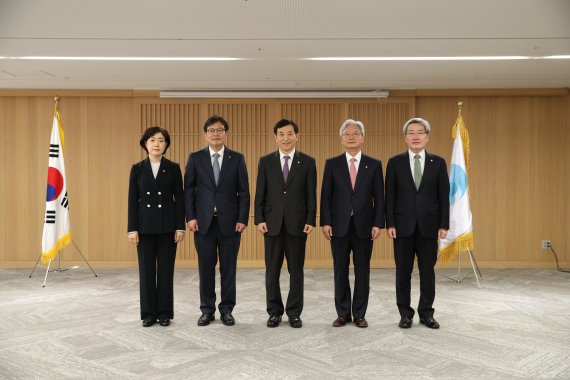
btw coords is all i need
(220, 152)
(422, 155)
(358, 157)
(290, 154)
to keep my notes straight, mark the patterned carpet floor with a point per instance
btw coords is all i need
(80, 326)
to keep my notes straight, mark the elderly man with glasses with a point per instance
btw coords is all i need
(352, 215)
(417, 214)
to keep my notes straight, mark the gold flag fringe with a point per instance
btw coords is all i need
(461, 244)
(62, 242)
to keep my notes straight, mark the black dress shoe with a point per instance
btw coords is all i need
(205, 319)
(164, 322)
(228, 319)
(360, 322)
(405, 323)
(147, 322)
(273, 321)
(429, 322)
(295, 322)
(341, 321)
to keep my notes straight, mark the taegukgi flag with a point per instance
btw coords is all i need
(57, 229)
(460, 235)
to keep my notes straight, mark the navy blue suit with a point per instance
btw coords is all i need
(417, 215)
(216, 233)
(156, 211)
(352, 213)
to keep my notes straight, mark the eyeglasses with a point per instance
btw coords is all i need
(349, 135)
(218, 131)
(418, 133)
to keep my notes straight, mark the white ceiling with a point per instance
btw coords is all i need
(274, 37)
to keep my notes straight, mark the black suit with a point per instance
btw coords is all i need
(352, 213)
(286, 208)
(217, 234)
(417, 216)
(156, 211)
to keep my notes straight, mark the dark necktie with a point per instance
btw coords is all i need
(216, 166)
(417, 171)
(286, 168)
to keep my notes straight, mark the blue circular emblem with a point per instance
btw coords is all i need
(457, 182)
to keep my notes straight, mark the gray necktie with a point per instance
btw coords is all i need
(417, 171)
(216, 166)
(286, 168)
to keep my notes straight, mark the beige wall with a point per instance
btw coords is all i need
(518, 174)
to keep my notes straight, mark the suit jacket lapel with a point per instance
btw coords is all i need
(228, 156)
(405, 161)
(276, 167)
(148, 173)
(428, 168)
(295, 166)
(208, 164)
(345, 173)
(362, 171)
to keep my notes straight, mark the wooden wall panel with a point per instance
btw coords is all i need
(518, 174)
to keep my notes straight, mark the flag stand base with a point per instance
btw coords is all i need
(59, 264)
(474, 266)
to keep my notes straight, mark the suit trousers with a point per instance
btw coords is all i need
(292, 248)
(405, 250)
(361, 254)
(156, 255)
(210, 246)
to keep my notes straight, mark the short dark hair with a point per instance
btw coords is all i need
(216, 119)
(283, 123)
(151, 132)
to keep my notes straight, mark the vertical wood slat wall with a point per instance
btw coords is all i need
(518, 173)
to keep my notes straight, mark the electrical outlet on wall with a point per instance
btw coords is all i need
(546, 244)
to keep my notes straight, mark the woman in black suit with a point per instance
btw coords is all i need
(156, 225)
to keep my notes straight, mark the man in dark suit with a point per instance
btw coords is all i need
(417, 214)
(352, 215)
(285, 212)
(216, 194)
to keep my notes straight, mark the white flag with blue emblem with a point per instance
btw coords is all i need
(57, 229)
(460, 235)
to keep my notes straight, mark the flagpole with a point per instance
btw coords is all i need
(62, 238)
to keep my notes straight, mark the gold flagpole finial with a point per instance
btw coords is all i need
(460, 106)
(56, 99)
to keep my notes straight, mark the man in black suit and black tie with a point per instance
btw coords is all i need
(216, 194)
(285, 212)
(417, 214)
(352, 215)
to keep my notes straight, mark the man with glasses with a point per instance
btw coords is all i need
(352, 215)
(285, 212)
(216, 197)
(417, 214)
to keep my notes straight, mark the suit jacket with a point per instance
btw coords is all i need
(293, 203)
(428, 206)
(230, 196)
(339, 200)
(156, 205)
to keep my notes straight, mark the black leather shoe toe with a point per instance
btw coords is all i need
(273, 321)
(429, 322)
(228, 319)
(405, 323)
(205, 319)
(164, 322)
(147, 322)
(295, 322)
